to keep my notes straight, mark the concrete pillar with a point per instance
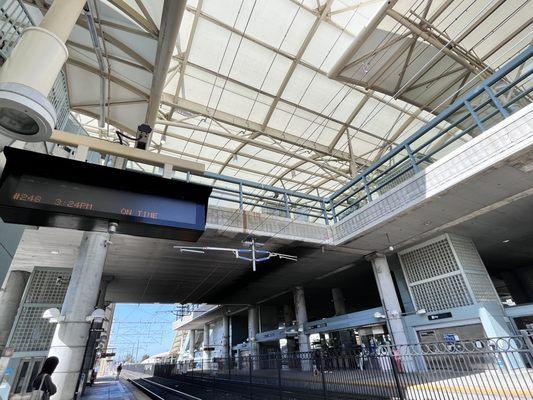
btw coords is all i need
(252, 331)
(71, 334)
(288, 317)
(10, 298)
(389, 299)
(338, 301)
(301, 319)
(206, 353)
(192, 340)
(225, 337)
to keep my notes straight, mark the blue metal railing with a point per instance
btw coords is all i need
(493, 100)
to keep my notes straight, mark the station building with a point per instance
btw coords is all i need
(324, 175)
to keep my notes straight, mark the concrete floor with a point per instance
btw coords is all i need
(110, 389)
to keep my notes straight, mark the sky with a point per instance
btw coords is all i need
(140, 329)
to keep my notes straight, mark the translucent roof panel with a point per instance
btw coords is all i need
(299, 94)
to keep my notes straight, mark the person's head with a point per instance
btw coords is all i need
(49, 365)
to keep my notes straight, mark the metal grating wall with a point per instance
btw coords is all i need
(442, 294)
(45, 289)
(447, 272)
(429, 261)
(435, 277)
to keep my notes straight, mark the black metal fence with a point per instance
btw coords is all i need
(500, 368)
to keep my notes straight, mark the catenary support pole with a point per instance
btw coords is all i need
(70, 336)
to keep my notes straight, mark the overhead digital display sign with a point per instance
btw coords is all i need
(42, 190)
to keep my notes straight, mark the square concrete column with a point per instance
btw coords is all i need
(389, 299)
(206, 353)
(71, 334)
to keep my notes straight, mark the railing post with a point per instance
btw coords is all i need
(495, 100)
(325, 212)
(333, 213)
(396, 377)
(241, 200)
(286, 200)
(472, 112)
(278, 358)
(323, 377)
(250, 369)
(367, 190)
(412, 158)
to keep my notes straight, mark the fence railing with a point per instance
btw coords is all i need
(497, 97)
(498, 368)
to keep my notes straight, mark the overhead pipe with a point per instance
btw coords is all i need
(89, 14)
(29, 73)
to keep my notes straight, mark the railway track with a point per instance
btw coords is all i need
(159, 391)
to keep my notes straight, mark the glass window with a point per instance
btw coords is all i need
(23, 371)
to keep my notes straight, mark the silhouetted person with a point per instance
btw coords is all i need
(119, 370)
(42, 384)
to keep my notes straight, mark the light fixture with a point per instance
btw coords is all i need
(506, 241)
(54, 252)
(391, 247)
(422, 311)
(379, 315)
(98, 315)
(53, 315)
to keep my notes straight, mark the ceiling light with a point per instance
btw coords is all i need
(506, 241)
(54, 252)
(391, 247)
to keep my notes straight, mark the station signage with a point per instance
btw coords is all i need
(42, 190)
(434, 317)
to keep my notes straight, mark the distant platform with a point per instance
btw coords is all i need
(108, 388)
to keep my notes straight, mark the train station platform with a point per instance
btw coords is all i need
(108, 388)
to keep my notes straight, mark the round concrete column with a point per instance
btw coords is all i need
(252, 331)
(301, 319)
(206, 343)
(192, 340)
(288, 317)
(225, 337)
(70, 337)
(389, 298)
(10, 298)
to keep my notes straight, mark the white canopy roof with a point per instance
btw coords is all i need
(248, 93)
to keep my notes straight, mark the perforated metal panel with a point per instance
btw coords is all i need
(47, 286)
(467, 253)
(32, 332)
(482, 287)
(429, 261)
(442, 294)
(45, 289)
